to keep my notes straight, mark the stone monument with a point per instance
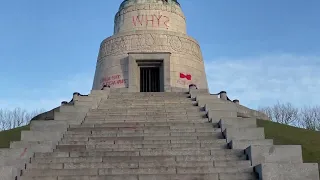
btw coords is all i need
(150, 50)
(149, 116)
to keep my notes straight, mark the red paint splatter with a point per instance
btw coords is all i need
(186, 76)
(24, 152)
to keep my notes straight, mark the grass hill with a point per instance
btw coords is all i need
(288, 135)
(282, 135)
(11, 135)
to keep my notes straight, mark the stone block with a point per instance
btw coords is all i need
(214, 102)
(35, 165)
(52, 155)
(209, 170)
(39, 146)
(201, 97)
(60, 172)
(221, 105)
(244, 144)
(274, 154)
(101, 165)
(104, 153)
(161, 170)
(216, 115)
(288, 171)
(64, 116)
(9, 172)
(173, 153)
(244, 134)
(88, 104)
(74, 108)
(84, 98)
(100, 93)
(40, 136)
(49, 126)
(195, 92)
(237, 123)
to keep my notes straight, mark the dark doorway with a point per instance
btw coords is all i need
(149, 79)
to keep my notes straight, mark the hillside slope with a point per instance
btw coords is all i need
(288, 135)
(11, 135)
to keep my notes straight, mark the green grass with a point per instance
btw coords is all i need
(11, 135)
(288, 135)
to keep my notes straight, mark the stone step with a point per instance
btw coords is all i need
(153, 115)
(152, 131)
(208, 176)
(149, 97)
(138, 164)
(145, 113)
(172, 125)
(243, 144)
(189, 120)
(122, 171)
(216, 134)
(145, 129)
(106, 148)
(146, 117)
(141, 138)
(140, 95)
(140, 146)
(130, 94)
(171, 105)
(147, 101)
(141, 142)
(91, 159)
(151, 152)
(167, 109)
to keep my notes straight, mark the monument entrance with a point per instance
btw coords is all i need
(149, 79)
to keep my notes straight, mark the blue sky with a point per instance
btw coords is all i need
(258, 51)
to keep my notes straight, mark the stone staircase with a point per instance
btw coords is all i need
(142, 136)
(151, 136)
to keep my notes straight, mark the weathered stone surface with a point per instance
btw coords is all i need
(216, 115)
(244, 144)
(48, 126)
(8, 172)
(237, 123)
(244, 134)
(288, 171)
(274, 154)
(40, 136)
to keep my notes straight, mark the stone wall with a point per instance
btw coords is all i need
(186, 63)
(151, 16)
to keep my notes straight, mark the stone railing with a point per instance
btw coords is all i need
(49, 115)
(242, 111)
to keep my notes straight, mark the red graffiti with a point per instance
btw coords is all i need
(113, 80)
(154, 20)
(186, 76)
(24, 152)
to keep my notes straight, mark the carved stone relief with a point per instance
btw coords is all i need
(162, 7)
(150, 42)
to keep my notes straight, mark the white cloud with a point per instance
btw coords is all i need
(264, 80)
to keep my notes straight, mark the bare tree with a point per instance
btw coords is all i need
(310, 118)
(267, 111)
(17, 117)
(282, 113)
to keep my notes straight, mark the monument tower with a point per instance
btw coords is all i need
(150, 50)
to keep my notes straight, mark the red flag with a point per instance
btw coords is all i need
(187, 76)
